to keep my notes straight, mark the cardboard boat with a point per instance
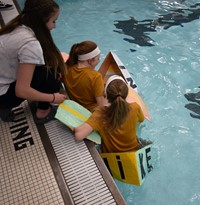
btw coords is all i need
(129, 167)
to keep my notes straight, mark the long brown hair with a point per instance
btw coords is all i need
(115, 114)
(79, 49)
(35, 15)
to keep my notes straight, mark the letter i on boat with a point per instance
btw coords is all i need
(129, 167)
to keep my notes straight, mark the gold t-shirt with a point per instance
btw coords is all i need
(124, 138)
(84, 85)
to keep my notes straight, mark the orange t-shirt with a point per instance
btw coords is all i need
(84, 85)
(124, 138)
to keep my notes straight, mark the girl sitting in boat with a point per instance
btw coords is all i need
(84, 84)
(115, 122)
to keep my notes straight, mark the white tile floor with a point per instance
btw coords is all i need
(26, 175)
(29, 175)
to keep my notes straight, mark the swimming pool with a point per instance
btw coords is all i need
(158, 42)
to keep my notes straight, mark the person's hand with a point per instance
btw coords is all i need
(59, 98)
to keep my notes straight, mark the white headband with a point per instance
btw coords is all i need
(89, 55)
(113, 77)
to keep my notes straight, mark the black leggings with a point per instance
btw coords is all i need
(42, 81)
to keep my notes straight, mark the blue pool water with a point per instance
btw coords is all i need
(158, 42)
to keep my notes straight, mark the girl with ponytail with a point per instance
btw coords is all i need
(116, 122)
(83, 83)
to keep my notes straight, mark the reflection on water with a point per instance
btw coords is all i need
(195, 105)
(139, 30)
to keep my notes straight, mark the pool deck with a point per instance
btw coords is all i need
(43, 164)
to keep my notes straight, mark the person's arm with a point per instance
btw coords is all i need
(82, 131)
(24, 90)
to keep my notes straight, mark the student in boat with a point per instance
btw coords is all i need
(31, 64)
(115, 122)
(83, 83)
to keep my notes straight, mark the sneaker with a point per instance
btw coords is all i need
(48, 118)
(4, 6)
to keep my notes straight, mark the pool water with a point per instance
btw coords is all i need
(158, 42)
